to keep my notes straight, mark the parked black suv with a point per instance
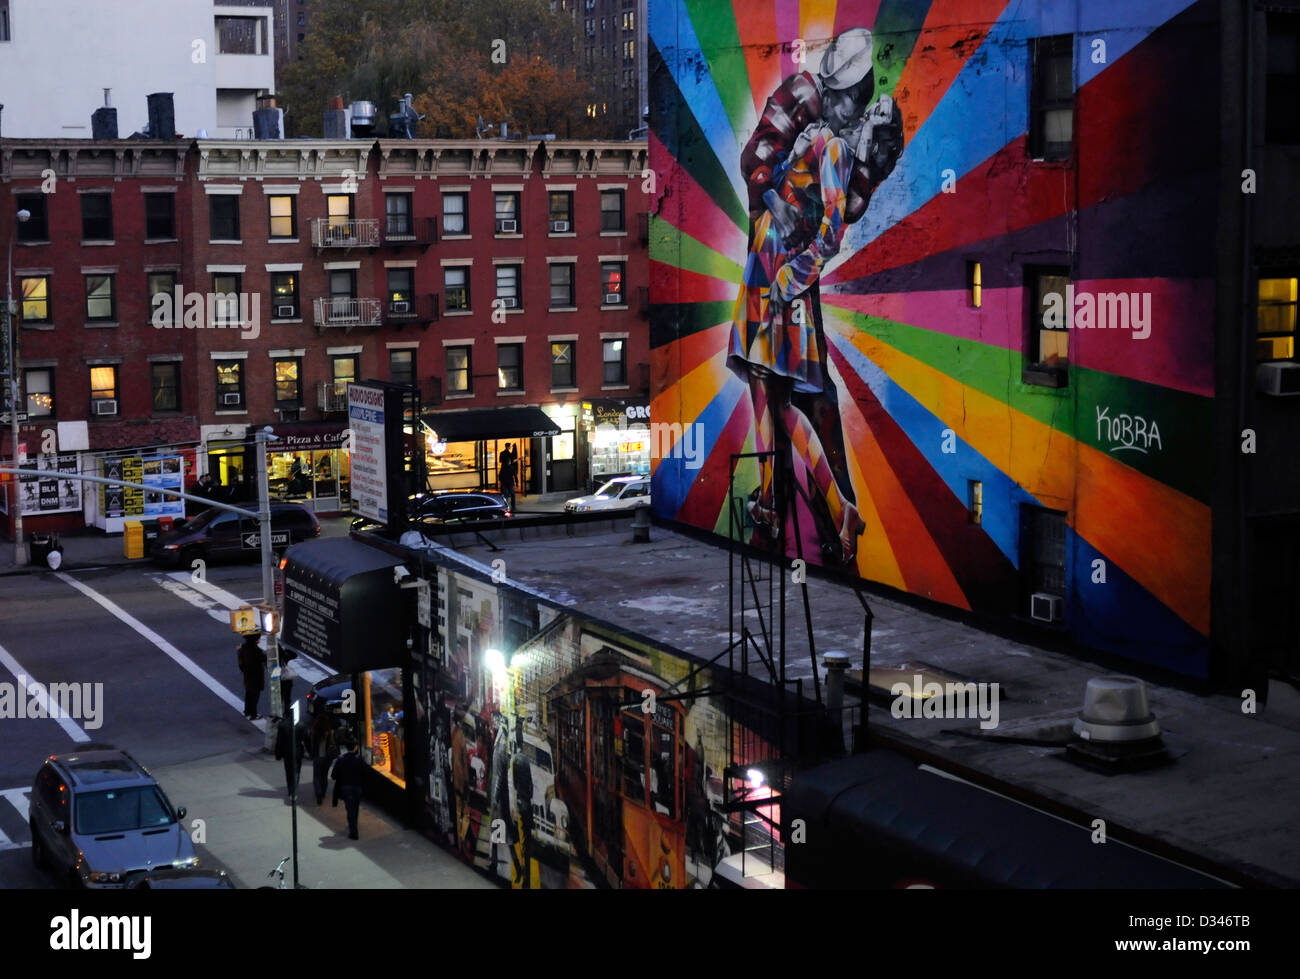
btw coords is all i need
(221, 534)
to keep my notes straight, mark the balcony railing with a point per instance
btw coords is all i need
(347, 313)
(413, 309)
(353, 233)
(402, 229)
(332, 395)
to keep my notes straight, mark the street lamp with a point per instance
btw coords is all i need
(20, 558)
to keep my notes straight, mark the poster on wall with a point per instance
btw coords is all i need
(155, 473)
(369, 458)
(41, 494)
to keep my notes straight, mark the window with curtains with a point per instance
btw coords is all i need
(38, 387)
(35, 292)
(230, 385)
(455, 214)
(284, 215)
(563, 372)
(288, 382)
(100, 302)
(458, 370)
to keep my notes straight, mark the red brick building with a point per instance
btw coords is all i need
(181, 295)
(108, 222)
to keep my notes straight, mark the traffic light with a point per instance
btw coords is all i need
(254, 620)
(244, 620)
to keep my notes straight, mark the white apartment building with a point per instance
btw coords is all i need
(58, 56)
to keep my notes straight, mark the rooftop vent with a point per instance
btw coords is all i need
(1116, 730)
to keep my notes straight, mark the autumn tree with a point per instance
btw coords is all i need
(505, 60)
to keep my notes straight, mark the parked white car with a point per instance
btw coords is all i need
(623, 493)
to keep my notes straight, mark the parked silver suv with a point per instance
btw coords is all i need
(97, 816)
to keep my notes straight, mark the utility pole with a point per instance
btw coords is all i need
(11, 365)
(268, 582)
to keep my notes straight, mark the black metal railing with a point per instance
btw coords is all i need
(411, 309)
(403, 229)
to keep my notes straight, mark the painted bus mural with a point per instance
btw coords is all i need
(903, 261)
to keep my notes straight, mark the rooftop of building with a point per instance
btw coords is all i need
(1230, 795)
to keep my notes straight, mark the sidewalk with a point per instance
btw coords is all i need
(92, 548)
(247, 829)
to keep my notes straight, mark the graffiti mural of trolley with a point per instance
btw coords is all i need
(621, 773)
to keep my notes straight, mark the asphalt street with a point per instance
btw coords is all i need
(160, 644)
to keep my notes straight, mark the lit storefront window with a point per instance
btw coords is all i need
(385, 723)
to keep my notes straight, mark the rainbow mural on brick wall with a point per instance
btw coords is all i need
(849, 332)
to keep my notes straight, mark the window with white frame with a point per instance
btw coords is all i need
(508, 287)
(455, 214)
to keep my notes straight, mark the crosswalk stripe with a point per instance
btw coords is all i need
(181, 660)
(309, 670)
(18, 797)
(52, 709)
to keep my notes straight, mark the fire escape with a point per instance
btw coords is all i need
(774, 727)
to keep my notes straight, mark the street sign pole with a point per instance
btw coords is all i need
(268, 581)
(12, 382)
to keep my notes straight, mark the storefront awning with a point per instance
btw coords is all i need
(343, 606)
(491, 423)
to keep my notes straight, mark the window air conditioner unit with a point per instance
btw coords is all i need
(559, 226)
(613, 299)
(105, 406)
(509, 302)
(508, 227)
(1046, 607)
(230, 399)
(1278, 378)
(399, 306)
(285, 312)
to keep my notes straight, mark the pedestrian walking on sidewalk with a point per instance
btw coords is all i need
(287, 675)
(252, 664)
(292, 745)
(509, 475)
(324, 750)
(348, 772)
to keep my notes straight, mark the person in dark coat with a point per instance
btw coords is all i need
(324, 749)
(348, 773)
(509, 475)
(252, 664)
(292, 745)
